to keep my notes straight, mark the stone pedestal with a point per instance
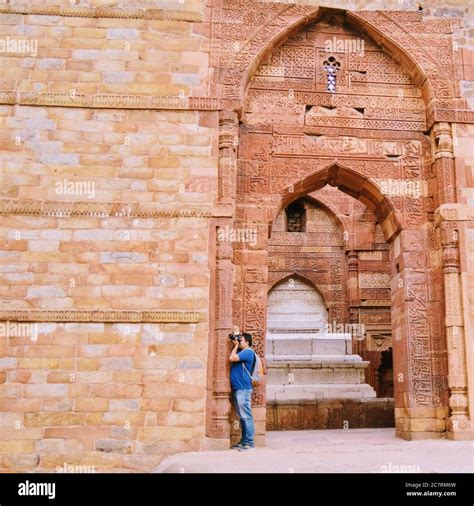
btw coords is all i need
(312, 366)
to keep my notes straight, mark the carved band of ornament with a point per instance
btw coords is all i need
(61, 209)
(449, 116)
(110, 101)
(380, 303)
(105, 316)
(78, 11)
(454, 212)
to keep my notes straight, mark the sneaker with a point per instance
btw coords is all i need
(236, 446)
(245, 448)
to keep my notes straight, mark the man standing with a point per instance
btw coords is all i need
(240, 379)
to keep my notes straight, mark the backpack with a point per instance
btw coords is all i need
(258, 371)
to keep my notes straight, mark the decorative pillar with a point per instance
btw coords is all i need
(222, 273)
(353, 293)
(228, 142)
(443, 165)
(457, 374)
(220, 405)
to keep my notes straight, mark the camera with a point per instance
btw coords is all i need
(236, 336)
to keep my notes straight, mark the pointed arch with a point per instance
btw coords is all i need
(306, 281)
(249, 59)
(352, 183)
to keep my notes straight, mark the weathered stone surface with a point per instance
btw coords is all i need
(127, 142)
(337, 414)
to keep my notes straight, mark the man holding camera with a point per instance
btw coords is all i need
(243, 362)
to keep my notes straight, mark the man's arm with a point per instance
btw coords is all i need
(234, 357)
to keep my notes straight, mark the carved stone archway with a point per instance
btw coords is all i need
(254, 183)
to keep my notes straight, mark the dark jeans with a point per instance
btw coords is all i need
(243, 407)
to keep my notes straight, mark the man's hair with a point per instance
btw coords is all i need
(247, 337)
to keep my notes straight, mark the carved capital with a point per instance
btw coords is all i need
(443, 140)
(352, 261)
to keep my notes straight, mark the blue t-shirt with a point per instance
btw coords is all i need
(239, 379)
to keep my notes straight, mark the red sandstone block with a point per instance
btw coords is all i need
(104, 338)
(19, 376)
(187, 406)
(8, 292)
(137, 303)
(38, 363)
(97, 460)
(154, 363)
(44, 419)
(124, 418)
(120, 350)
(13, 245)
(94, 377)
(133, 279)
(91, 405)
(78, 390)
(88, 364)
(117, 391)
(155, 404)
(11, 391)
(174, 391)
(17, 446)
(20, 405)
(45, 391)
(162, 162)
(154, 376)
(121, 291)
(179, 304)
(67, 364)
(61, 377)
(208, 119)
(196, 280)
(21, 462)
(50, 351)
(183, 419)
(468, 71)
(126, 376)
(165, 433)
(76, 432)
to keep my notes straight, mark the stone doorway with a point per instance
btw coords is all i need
(317, 377)
(290, 131)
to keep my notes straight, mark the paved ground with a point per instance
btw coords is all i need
(336, 451)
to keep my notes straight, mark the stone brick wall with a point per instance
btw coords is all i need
(104, 394)
(117, 395)
(105, 55)
(114, 122)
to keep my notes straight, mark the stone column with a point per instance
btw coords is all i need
(353, 293)
(443, 165)
(457, 375)
(228, 142)
(222, 280)
(220, 406)
(444, 169)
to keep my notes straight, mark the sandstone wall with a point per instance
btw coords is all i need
(122, 391)
(104, 394)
